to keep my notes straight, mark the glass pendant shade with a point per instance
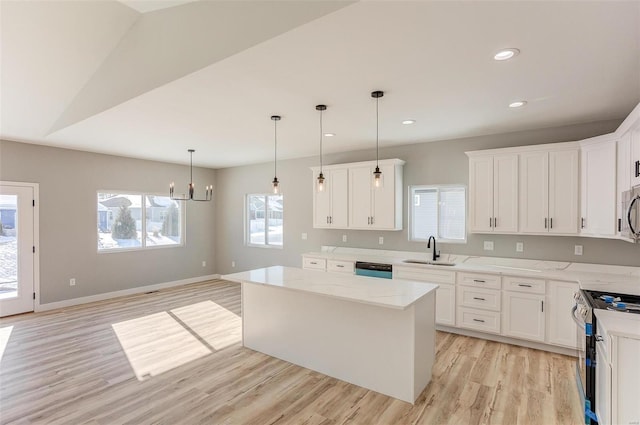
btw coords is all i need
(276, 185)
(320, 185)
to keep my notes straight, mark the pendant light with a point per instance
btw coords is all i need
(208, 190)
(275, 182)
(377, 174)
(320, 185)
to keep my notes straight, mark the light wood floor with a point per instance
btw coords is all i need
(184, 364)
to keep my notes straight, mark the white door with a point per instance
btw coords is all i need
(561, 329)
(481, 194)
(384, 200)
(534, 192)
(322, 203)
(523, 315)
(598, 179)
(17, 246)
(563, 191)
(360, 197)
(635, 157)
(339, 198)
(505, 193)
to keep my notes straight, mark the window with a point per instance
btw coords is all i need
(264, 220)
(137, 221)
(438, 211)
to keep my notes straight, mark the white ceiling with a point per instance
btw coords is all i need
(103, 77)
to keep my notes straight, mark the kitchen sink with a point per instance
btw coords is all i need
(431, 263)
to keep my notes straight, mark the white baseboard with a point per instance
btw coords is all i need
(115, 294)
(513, 341)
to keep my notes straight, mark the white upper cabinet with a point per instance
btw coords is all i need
(635, 156)
(375, 208)
(629, 132)
(330, 205)
(549, 191)
(598, 187)
(493, 193)
(623, 176)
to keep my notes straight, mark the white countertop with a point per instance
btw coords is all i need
(397, 294)
(619, 324)
(599, 277)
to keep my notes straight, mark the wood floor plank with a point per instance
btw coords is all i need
(68, 366)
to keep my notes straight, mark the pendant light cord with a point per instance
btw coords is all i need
(275, 150)
(377, 131)
(191, 167)
(320, 141)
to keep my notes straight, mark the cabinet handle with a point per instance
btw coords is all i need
(582, 223)
(327, 219)
(368, 220)
(313, 262)
(545, 222)
(339, 265)
(478, 320)
(479, 281)
(330, 219)
(490, 222)
(619, 225)
(551, 223)
(637, 168)
(525, 285)
(495, 222)
(542, 306)
(371, 220)
(479, 299)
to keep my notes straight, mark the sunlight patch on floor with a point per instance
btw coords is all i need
(5, 334)
(157, 343)
(216, 325)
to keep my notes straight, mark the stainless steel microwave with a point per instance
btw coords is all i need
(631, 214)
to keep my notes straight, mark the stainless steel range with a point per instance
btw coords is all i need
(582, 312)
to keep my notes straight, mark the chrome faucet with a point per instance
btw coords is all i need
(435, 252)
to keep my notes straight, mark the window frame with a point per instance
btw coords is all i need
(247, 221)
(438, 187)
(143, 222)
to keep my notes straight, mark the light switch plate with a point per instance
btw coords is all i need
(380, 240)
(577, 250)
(519, 247)
(488, 245)
(344, 238)
(304, 236)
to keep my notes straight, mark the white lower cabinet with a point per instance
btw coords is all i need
(603, 385)
(561, 329)
(445, 294)
(479, 320)
(340, 266)
(314, 263)
(523, 315)
(479, 302)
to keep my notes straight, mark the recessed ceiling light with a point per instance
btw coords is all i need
(407, 122)
(506, 54)
(329, 134)
(517, 104)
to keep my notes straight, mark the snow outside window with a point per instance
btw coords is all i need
(264, 213)
(438, 211)
(135, 221)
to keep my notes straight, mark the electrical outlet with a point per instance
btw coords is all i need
(488, 245)
(519, 247)
(204, 264)
(344, 238)
(380, 240)
(233, 264)
(72, 282)
(577, 250)
(304, 236)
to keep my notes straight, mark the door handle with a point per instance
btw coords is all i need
(490, 222)
(545, 222)
(637, 168)
(551, 223)
(582, 223)
(478, 320)
(525, 285)
(495, 222)
(479, 299)
(479, 281)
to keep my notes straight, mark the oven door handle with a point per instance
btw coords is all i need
(575, 319)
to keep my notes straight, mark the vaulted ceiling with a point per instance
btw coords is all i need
(150, 79)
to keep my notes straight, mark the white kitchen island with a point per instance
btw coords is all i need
(375, 333)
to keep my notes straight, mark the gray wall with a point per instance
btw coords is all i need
(68, 182)
(427, 163)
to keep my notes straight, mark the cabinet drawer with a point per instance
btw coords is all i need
(424, 274)
(481, 320)
(480, 280)
(523, 284)
(314, 263)
(340, 266)
(486, 299)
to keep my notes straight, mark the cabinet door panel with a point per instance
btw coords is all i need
(562, 329)
(481, 194)
(563, 191)
(384, 201)
(635, 156)
(534, 192)
(623, 172)
(598, 200)
(505, 194)
(523, 316)
(360, 197)
(446, 305)
(339, 198)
